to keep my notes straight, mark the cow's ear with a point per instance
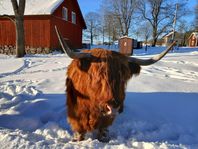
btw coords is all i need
(135, 68)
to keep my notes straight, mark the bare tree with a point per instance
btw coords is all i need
(196, 17)
(160, 14)
(123, 11)
(102, 27)
(93, 23)
(18, 19)
(183, 28)
(145, 29)
(109, 24)
(110, 27)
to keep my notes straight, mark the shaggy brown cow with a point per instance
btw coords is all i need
(96, 82)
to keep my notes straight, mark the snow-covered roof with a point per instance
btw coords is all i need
(195, 34)
(124, 37)
(33, 7)
(169, 34)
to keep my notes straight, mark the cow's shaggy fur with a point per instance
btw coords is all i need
(94, 82)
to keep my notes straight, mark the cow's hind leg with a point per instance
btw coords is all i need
(103, 135)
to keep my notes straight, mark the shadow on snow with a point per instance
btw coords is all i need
(148, 117)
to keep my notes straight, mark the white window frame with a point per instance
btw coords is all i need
(65, 13)
(73, 17)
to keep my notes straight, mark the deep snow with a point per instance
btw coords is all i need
(160, 107)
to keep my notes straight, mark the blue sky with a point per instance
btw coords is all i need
(93, 5)
(89, 5)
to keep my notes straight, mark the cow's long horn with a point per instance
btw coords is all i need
(67, 50)
(145, 62)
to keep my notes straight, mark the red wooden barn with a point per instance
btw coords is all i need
(40, 18)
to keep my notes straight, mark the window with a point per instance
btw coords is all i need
(73, 17)
(65, 14)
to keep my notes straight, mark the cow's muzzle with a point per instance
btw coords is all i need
(111, 111)
(110, 108)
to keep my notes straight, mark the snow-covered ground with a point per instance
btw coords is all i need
(161, 106)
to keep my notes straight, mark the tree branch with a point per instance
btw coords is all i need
(8, 17)
(142, 8)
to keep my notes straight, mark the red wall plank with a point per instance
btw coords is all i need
(68, 30)
(7, 32)
(37, 31)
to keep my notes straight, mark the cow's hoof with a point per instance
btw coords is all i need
(104, 139)
(103, 135)
(78, 137)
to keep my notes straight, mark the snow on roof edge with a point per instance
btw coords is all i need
(56, 6)
(33, 7)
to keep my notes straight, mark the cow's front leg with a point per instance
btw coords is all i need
(78, 136)
(103, 135)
